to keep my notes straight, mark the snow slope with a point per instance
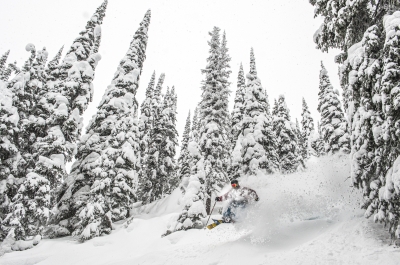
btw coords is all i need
(310, 217)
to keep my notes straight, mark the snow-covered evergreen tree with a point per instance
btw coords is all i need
(214, 138)
(345, 22)
(225, 73)
(159, 177)
(370, 107)
(169, 142)
(193, 212)
(29, 211)
(5, 75)
(18, 102)
(67, 99)
(317, 143)
(258, 141)
(49, 124)
(23, 89)
(366, 31)
(52, 74)
(369, 85)
(149, 113)
(287, 148)
(333, 123)
(34, 125)
(146, 117)
(184, 157)
(275, 107)
(194, 135)
(238, 107)
(307, 125)
(301, 145)
(266, 103)
(225, 59)
(236, 126)
(31, 123)
(103, 179)
(3, 60)
(27, 90)
(9, 152)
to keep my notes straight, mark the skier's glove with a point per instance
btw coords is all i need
(218, 199)
(257, 199)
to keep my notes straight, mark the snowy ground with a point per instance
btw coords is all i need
(310, 217)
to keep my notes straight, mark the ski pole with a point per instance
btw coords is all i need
(211, 212)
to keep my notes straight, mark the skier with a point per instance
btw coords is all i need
(239, 197)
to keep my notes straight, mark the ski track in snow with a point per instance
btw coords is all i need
(310, 217)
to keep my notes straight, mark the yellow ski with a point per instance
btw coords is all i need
(216, 222)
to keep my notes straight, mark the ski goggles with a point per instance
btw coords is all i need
(234, 185)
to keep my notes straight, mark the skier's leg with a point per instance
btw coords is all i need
(226, 216)
(233, 213)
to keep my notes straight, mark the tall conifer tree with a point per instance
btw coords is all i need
(9, 152)
(194, 135)
(148, 180)
(104, 177)
(147, 117)
(307, 125)
(258, 141)
(214, 120)
(3, 60)
(49, 154)
(333, 123)
(238, 107)
(184, 158)
(193, 211)
(168, 167)
(285, 131)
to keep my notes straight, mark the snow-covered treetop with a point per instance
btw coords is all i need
(3, 60)
(241, 87)
(52, 65)
(145, 107)
(307, 121)
(214, 103)
(253, 70)
(82, 46)
(326, 90)
(237, 113)
(126, 78)
(157, 90)
(275, 107)
(195, 125)
(225, 59)
(97, 19)
(255, 100)
(185, 136)
(241, 83)
(150, 87)
(174, 99)
(282, 108)
(139, 41)
(214, 51)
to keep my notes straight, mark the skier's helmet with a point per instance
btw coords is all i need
(234, 183)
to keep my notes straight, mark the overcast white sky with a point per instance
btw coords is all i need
(279, 31)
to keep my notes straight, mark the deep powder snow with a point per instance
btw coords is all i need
(309, 217)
